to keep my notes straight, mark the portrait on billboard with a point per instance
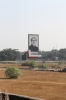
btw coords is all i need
(33, 42)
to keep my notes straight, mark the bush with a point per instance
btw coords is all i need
(26, 63)
(13, 72)
(43, 66)
(32, 64)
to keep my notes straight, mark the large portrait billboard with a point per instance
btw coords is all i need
(33, 44)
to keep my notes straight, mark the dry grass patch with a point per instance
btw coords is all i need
(41, 84)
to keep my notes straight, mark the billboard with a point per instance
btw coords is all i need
(33, 45)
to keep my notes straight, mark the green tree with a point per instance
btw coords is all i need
(9, 54)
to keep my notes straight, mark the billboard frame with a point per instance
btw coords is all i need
(36, 53)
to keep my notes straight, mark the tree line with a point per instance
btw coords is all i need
(53, 54)
(13, 54)
(9, 54)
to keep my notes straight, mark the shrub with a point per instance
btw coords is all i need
(13, 72)
(32, 64)
(26, 63)
(43, 66)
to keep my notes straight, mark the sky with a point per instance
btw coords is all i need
(47, 18)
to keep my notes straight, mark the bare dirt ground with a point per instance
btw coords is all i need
(40, 84)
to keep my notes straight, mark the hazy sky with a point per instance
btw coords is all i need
(18, 18)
